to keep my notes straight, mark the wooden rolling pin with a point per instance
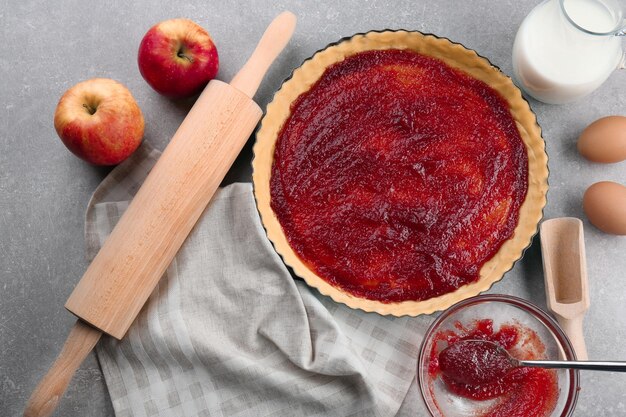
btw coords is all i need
(147, 237)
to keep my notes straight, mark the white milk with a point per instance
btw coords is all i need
(554, 61)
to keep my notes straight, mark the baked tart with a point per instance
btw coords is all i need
(399, 172)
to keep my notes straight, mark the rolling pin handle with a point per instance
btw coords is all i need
(46, 396)
(269, 47)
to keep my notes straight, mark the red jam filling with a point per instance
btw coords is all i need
(474, 362)
(518, 392)
(397, 177)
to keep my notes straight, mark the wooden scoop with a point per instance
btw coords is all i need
(134, 257)
(565, 274)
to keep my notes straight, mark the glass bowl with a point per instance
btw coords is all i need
(502, 309)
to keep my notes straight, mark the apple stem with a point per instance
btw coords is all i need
(90, 109)
(181, 54)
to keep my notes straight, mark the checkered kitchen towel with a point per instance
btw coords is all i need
(228, 331)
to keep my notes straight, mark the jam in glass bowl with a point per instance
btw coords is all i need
(522, 329)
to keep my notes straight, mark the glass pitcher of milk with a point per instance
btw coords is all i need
(565, 49)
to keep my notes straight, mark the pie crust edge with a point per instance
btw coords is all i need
(456, 56)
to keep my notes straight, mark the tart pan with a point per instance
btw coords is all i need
(457, 56)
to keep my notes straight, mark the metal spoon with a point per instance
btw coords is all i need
(476, 362)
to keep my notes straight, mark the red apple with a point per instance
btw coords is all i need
(99, 121)
(177, 58)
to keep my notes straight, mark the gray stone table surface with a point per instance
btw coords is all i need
(47, 46)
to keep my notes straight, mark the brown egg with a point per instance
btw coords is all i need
(604, 140)
(604, 204)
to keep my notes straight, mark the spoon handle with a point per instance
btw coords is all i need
(613, 366)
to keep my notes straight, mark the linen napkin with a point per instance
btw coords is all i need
(229, 332)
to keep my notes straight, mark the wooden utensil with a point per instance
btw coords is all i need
(136, 254)
(565, 274)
